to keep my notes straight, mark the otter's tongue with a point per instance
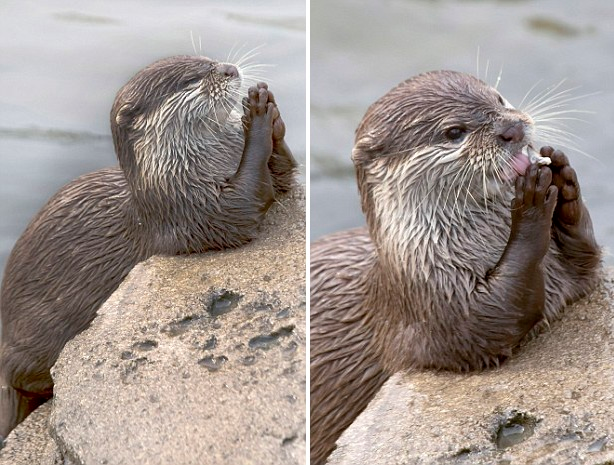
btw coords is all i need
(521, 160)
(520, 163)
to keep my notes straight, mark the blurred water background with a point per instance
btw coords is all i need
(361, 49)
(62, 62)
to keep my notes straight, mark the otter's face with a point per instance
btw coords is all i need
(177, 91)
(162, 117)
(446, 126)
(435, 149)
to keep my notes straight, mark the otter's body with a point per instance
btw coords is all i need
(194, 175)
(469, 246)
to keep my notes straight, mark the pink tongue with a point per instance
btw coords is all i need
(520, 163)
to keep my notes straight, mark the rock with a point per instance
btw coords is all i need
(194, 359)
(28, 443)
(552, 403)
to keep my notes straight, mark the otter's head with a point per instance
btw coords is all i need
(161, 114)
(434, 144)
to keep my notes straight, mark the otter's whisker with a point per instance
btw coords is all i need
(520, 105)
(467, 188)
(193, 44)
(453, 182)
(499, 77)
(557, 116)
(234, 52)
(484, 185)
(560, 100)
(557, 136)
(567, 143)
(253, 79)
(206, 123)
(561, 129)
(560, 105)
(463, 168)
(464, 172)
(250, 54)
(255, 71)
(547, 94)
(477, 63)
(257, 65)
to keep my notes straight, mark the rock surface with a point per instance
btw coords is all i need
(553, 403)
(28, 443)
(194, 359)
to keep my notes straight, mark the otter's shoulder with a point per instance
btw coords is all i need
(65, 222)
(103, 194)
(351, 245)
(339, 265)
(344, 252)
(94, 187)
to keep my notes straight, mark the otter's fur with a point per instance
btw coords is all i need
(462, 256)
(193, 176)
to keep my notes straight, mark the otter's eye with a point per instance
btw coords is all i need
(194, 80)
(501, 101)
(455, 133)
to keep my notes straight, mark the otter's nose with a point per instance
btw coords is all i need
(512, 133)
(230, 71)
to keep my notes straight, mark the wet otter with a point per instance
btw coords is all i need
(468, 247)
(193, 175)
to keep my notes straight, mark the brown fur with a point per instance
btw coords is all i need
(454, 270)
(192, 177)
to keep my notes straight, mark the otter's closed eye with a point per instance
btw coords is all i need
(455, 133)
(190, 81)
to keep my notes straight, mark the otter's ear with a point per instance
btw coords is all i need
(365, 149)
(125, 114)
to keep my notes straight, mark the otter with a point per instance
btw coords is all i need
(472, 244)
(194, 175)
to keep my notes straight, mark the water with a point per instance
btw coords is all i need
(360, 49)
(62, 64)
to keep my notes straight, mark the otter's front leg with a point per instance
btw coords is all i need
(572, 229)
(517, 282)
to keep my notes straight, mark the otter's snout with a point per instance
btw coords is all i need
(512, 133)
(228, 70)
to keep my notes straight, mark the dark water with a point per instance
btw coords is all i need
(359, 50)
(61, 65)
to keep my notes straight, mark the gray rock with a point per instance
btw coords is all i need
(195, 359)
(27, 444)
(553, 403)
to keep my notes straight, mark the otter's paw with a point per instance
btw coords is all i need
(279, 127)
(569, 205)
(258, 112)
(532, 208)
(281, 164)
